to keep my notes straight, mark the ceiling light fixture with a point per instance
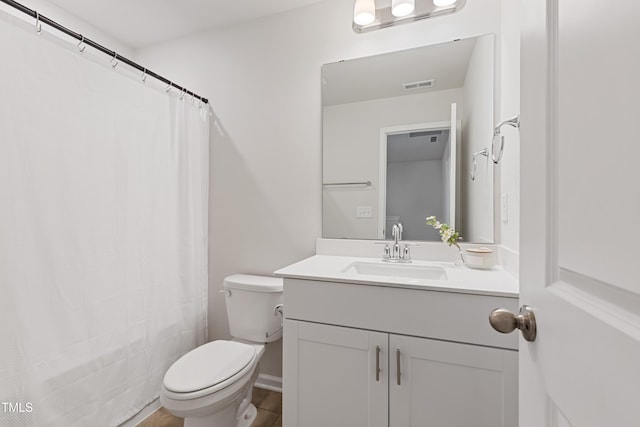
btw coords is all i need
(401, 8)
(366, 17)
(364, 12)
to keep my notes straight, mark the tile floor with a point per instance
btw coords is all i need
(269, 404)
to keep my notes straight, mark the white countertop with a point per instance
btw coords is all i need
(460, 279)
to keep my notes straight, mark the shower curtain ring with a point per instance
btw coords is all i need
(144, 76)
(38, 24)
(114, 60)
(81, 45)
(168, 88)
(182, 94)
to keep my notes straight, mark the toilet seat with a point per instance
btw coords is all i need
(209, 368)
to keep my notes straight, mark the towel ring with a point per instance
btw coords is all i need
(515, 122)
(496, 159)
(483, 152)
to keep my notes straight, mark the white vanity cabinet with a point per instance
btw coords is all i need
(344, 344)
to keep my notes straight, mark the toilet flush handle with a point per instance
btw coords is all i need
(277, 310)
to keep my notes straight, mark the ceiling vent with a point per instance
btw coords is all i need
(419, 85)
(422, 133)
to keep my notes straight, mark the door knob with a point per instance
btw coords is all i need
(505, 321)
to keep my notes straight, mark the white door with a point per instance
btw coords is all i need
(580, 222)
(450, 192)
(447, 384)
(334, 376)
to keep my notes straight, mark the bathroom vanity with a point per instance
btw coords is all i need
(368, 343)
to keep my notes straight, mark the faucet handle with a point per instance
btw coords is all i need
(406, 255)
(387, 252)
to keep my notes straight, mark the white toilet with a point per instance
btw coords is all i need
(211, 385)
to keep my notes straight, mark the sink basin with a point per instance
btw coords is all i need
(421, 272)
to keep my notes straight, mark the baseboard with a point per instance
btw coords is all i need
(269, 382)
(142, 415)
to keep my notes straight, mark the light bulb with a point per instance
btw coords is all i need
(442, 3)
(401, 8)
(364, 12)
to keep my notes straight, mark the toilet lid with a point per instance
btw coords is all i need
(208, 365)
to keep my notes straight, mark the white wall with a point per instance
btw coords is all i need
(263, 79)
(351, 135)
(477, 130)
(508, 171)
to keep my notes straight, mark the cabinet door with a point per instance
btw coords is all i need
(329, 376)
(445, 384)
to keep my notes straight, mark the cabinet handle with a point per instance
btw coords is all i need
(398, 366)
(377, 363)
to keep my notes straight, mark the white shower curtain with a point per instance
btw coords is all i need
(103, 234)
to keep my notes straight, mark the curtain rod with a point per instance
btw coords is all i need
(113, 54)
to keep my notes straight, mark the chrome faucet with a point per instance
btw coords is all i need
(396, 232)
(395, 254)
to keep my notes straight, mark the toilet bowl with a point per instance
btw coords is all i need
(211, 385)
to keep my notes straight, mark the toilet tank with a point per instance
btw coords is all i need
(251, 307)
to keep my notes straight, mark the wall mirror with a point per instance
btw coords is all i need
(406, 135)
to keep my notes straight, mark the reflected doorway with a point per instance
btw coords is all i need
(418, 177)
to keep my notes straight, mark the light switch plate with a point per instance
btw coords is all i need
(364, 212)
